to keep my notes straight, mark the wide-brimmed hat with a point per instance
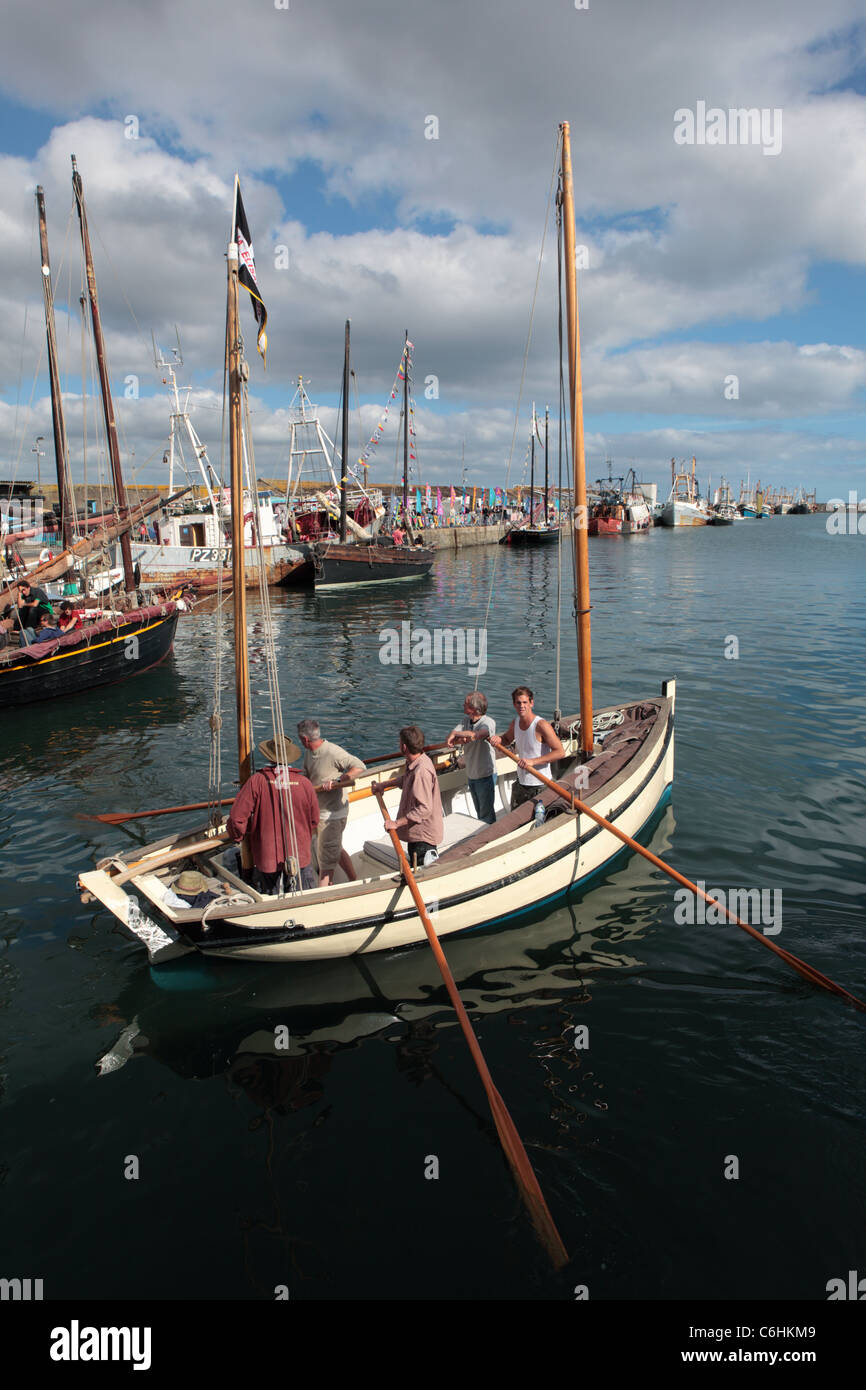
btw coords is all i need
(190, 882)
(280, 750)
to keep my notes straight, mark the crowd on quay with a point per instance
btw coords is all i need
(285, 815)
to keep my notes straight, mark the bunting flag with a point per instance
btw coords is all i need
(491, 502)
(247, 272)
(438, 501)
(427, 496)
(417, 499)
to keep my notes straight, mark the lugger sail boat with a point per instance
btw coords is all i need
(368, 559)
(621, 760)
(117, 642)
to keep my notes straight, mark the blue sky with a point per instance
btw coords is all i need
(702, 261)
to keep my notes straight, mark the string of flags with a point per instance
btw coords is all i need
(404, 371)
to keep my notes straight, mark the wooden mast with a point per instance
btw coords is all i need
(107, 404)
(546, 440)
(532, 469)
(581, 534)
(344, 439)
(237, 370)
(61, 448)
(406, 424)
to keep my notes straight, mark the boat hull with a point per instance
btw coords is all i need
(683, 514)
(102, 654)
(339, 566)
(534, 536)
(512, 871)
(202, 566)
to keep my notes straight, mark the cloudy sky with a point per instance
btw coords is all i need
(722, 304)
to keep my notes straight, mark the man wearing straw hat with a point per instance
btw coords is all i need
(278, 812)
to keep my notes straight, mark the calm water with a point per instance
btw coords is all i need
(308, 1171)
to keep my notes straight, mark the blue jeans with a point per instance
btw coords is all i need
(482, 790)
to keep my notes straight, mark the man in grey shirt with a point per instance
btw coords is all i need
(330, 768)
(473, 735)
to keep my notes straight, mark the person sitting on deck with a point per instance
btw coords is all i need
(536, 743)
(69, 619)
(32, 602)
(419, 819)
(46, 631)
(330, 768)
(278, 812)
(397, 535)
(474, 734)
(7, 627)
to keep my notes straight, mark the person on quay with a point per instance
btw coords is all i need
(330, 769)
(535, 742)
(419, 820)
(474, 735)
(277, 810)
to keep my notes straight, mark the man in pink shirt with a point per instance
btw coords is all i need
(419, 816)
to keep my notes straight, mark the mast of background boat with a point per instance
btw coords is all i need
(237, 372)
(61, 448)
(532, 468)
(546, 437)
(344, 440)
(107, 404)
(406, 425)
(581, 534)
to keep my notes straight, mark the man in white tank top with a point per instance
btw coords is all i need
(536, 743)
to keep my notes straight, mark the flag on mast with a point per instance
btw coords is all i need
(247, 272)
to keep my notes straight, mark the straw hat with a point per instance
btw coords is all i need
(280, 750)
(190, 882)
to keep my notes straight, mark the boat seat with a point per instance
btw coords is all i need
(457, 828)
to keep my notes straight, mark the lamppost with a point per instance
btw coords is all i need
(40, 454)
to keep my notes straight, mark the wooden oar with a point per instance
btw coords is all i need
(119, 817)
(807, 971)
(508, 1137)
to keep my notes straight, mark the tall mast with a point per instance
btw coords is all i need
(61, 448)
(581, 534)
(546, 437)
(531, 469)
(107, 404)
(242, 665)
(344, 444)
(406, 424)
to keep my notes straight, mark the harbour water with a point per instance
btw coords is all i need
(705, 1143)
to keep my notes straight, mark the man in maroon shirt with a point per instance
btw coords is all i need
(278, 812)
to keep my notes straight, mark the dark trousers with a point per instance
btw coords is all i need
(415, 851)
(520, 793)
(482, 790)
(280, 882)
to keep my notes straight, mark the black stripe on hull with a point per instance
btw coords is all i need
(102, 662)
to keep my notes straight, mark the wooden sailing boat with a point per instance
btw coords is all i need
(116, 644)
(538, 531)
(369, 560)
(621, 759)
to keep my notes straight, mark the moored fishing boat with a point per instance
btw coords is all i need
(621, 509)
(538, 529)
(620, 759)
(684, 506)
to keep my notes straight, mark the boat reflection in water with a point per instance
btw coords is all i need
(227, 1027)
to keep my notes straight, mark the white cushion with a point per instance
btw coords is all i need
(457, 827)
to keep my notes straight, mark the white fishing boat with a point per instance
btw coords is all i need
(685, 506)
(620, 761)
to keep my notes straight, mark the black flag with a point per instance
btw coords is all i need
(247, 274)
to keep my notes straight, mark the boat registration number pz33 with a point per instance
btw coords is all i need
(215, 554)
